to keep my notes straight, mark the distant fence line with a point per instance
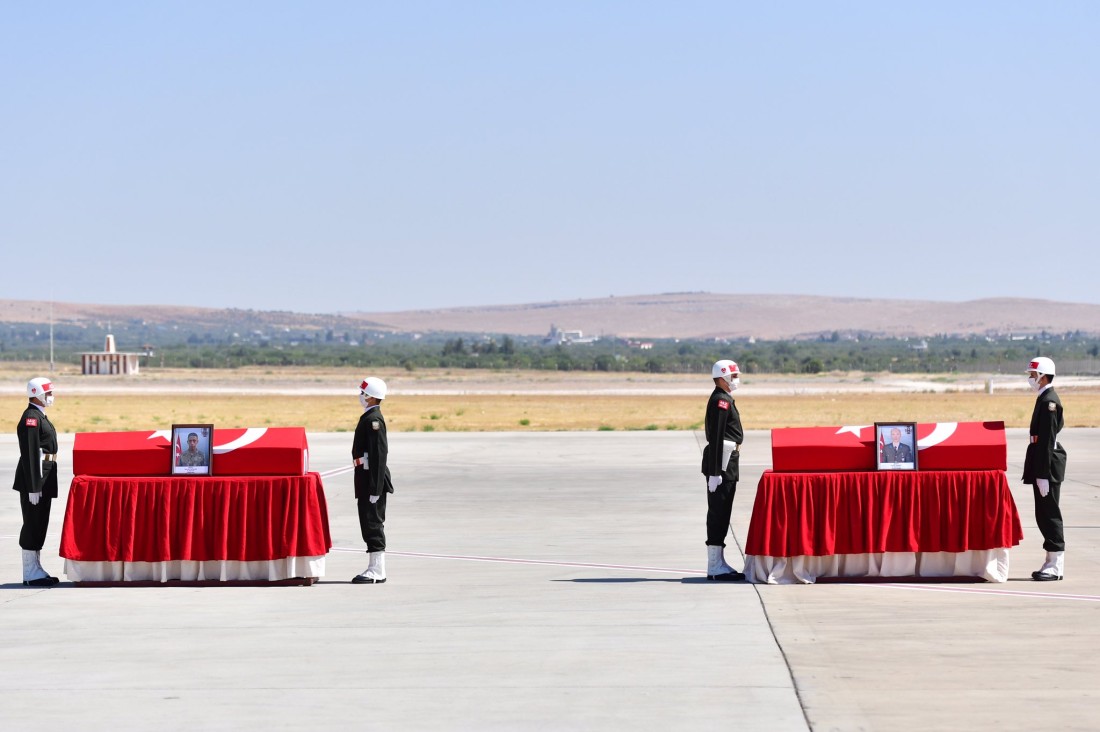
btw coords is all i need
(1067, 367)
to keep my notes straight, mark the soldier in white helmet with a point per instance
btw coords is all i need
(720, 466)
(369, 452)
(36, 479)
(1045, 467)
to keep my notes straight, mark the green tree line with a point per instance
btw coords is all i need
(1080, 353)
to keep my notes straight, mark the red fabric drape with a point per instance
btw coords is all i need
(819, 514)
(195, 518)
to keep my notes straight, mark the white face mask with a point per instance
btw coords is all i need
(734, 383)
(1033, 383)
(363, 400)
(48, 399)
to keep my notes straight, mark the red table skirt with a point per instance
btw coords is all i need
(235, 518)
(821, 514)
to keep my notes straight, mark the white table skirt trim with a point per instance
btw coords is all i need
(989, 564)
(190, 571)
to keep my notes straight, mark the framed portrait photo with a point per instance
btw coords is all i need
(192, 449)
(896, 445)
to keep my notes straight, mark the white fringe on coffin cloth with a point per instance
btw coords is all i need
(989, 564)
(273, 570)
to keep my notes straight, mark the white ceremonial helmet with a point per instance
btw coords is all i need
(37, 388)
(372, 386)
(725, 369)
(1042, 366)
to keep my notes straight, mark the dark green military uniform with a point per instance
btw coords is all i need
(372, 478)
(37, 438)
(722, 424)
(1046, 458)
(192, 459)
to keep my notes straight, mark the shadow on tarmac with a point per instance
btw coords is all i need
(625, 580)
(21, 586)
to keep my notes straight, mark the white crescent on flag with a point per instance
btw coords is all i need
(941, 432)
(250, 435)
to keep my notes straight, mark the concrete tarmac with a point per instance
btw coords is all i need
(554, 581)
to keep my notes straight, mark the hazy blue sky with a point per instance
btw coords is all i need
(330, 156)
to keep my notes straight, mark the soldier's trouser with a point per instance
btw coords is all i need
(1048, 516)
(36, 520)
(719, 510)
(372, 516)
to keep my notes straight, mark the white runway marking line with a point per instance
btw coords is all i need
(1003, 593)
(337, 471)
(509, 560)
(634, 568)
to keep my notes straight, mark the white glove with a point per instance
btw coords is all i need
(712, 482)
(35, 497)
(374, 499)
(1043, 485)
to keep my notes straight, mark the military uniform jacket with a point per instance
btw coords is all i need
(722, 424)
(370, 440)
(902, 454)
(192, 459)
(1045, 458)
(36, 436)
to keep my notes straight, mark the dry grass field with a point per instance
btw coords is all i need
(323, 400)
(540, 412)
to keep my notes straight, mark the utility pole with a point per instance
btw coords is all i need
(51, 333)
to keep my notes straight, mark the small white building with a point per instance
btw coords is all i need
(559, 337)
(108, 361)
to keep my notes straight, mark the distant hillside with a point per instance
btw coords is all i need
(29, 311)
(678, 315)
(771, 317)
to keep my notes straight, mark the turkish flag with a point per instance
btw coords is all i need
(942, 446)
(236, 451)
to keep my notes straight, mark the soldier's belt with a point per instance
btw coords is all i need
(49, 457)
(729, 449)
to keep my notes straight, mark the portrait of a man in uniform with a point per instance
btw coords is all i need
(191, 448)
(191, 456)
(895, 446)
